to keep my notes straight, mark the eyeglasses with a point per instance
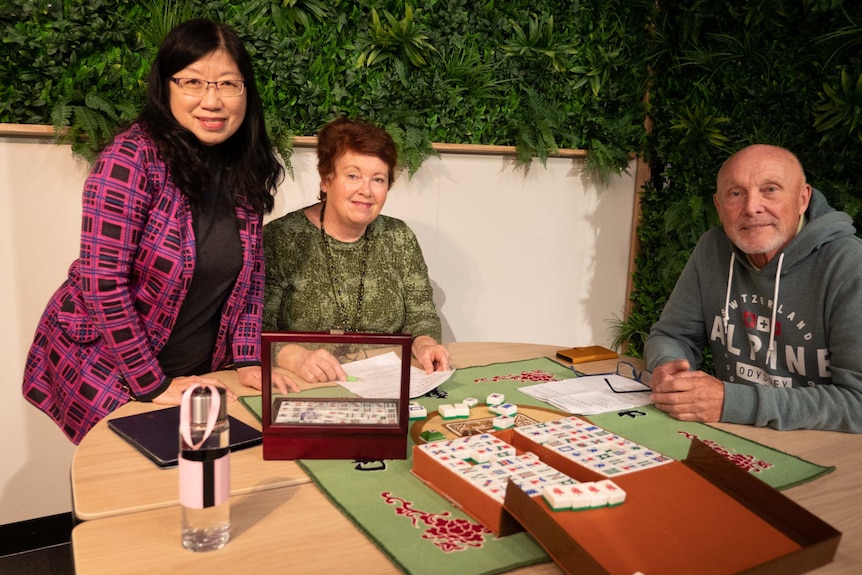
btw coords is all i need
(628, 371)
(348, 353)
(196, 87)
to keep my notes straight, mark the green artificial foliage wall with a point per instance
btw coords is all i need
(538, 75)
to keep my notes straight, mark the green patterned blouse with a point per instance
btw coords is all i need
(300, 295)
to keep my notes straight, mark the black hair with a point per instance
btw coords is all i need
(250, 169)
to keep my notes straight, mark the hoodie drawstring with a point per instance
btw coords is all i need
(725, 315)
(771, 349)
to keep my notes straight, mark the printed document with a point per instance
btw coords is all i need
(590, 394)
(380, 377)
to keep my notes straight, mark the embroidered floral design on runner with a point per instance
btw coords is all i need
(745, 462)
(533, 376)
(447, 534)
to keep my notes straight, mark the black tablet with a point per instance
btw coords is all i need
(156, 434)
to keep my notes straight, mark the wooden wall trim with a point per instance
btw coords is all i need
(42, 131)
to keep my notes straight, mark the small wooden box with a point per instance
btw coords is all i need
(326, 420)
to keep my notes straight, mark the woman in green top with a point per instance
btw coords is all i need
(339, 264)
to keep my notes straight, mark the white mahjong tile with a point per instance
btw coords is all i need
(446, 459)
(458, 464)
(535, 435)
(504, 422)
(512, 468)
(616, 495)
(486, 437)
(557, 497)
(580, 496)
(477, 480)
(573, 419)
(507, 409)
(555, 443)
(416, 411)
(561, 479)
(617, 461)
(446, 411)
(531, 490)
(495, 399)
(481, 454)
(598, 497)
(507, 451)
(497, 493)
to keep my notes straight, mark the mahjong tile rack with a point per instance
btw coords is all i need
(327, 420)
(480, 420)
(603, 505)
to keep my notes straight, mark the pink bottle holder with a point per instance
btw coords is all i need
(204, 471)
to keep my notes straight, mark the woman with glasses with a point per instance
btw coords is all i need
(169, 282)
(339, 264)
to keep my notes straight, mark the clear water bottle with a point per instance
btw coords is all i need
(204, 466)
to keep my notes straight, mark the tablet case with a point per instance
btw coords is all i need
(156, 434)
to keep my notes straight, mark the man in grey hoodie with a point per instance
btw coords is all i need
(776, 293)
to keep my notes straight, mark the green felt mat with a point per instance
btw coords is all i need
(423, 533)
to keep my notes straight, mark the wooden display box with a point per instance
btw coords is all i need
(321, 422)
(699, 515)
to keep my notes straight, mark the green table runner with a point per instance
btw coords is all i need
(423, 533)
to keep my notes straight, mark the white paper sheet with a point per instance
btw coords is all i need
(590, 394)
(380, 377)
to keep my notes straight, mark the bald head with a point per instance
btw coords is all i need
(762, 154)
(760, 196)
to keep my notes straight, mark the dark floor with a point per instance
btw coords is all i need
(55, 560)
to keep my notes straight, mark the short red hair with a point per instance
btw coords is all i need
(343, 135)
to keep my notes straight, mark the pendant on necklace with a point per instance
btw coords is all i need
(346, 324)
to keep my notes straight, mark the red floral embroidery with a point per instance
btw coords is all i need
(535, 376)
(447, 534)
(745, 462)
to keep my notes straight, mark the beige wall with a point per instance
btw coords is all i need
(40, 207)
(540, 257)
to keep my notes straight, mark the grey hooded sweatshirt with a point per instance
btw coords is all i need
(786, 339)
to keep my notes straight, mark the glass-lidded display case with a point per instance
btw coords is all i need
(352, 403)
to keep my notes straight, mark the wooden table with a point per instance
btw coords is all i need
(281, 522)
(110, 477)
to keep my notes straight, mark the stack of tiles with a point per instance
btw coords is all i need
(338, 412)
(488, 463)
(447, 411)
(590, 446)
(474, 472)
(589, 495)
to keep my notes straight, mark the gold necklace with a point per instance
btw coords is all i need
(346, 325)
